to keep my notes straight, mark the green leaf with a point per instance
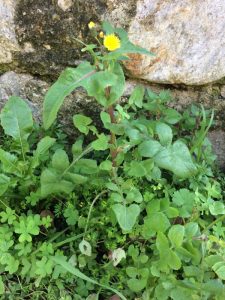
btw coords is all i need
(106, 165)
(177, 159)
(137, 96)
(173, 260)
(162, 243)
(68, 81)
(164, 133)
(176, 235)
(16, 119)
(216, 208)
(52, 183)
(8, 216)
(155, 222)
(85, 248)
(82, 123)
(101, 143)
(96, 85)
(60, 160)
(8, 161)
(126, 215)
(149, 148)
(76, 272)
(134, 195)
(136, 169)
(118, 87)
(171, 116)
(136, 285)
(184, 199)
(4, 183)
(44, 267)
(42, 147)
(71, 215)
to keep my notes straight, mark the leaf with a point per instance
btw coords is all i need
(16, 119)
(82, 123)
(76, 272)
(177, 159)
(101, 143)
(68, 81)
(96, 85)
(184, 199)
(137, 96)
(173, 260)
(117, 255)
(126, 215)
(171, 116)
(4, 183)
(216, 208)
(85, 248)
(176, 235)
(136, 285)
(164, 133)
(117, 89)
(106, 165)
(8, 161)
(71, 215)
(162, 243)
(149, 148)
(155, 222)
(52, 183)
(42, 147)
(60, 160)
(134, 195)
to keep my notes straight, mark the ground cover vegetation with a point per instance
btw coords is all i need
(134, 209)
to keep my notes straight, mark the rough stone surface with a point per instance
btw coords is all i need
(8, 41)
(186, 36)
(217, 138)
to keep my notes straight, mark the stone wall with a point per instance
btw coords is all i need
(37, 42)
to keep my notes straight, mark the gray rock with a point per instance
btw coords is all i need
(8, 41)
(186, 36)
(217, 138)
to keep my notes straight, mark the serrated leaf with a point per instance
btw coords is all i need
(101, 143)
(82, 123)
(137, 96)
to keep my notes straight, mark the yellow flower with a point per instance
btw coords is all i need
(91, 25)
(111, 42)
(101, 34)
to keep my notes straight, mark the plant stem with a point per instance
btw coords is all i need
(214, 222)
(90, 210)
(113, 150)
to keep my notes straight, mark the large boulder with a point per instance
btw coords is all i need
(186, 36)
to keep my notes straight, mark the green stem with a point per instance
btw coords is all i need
(90, 210)
(213, 223)
(86, 151)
